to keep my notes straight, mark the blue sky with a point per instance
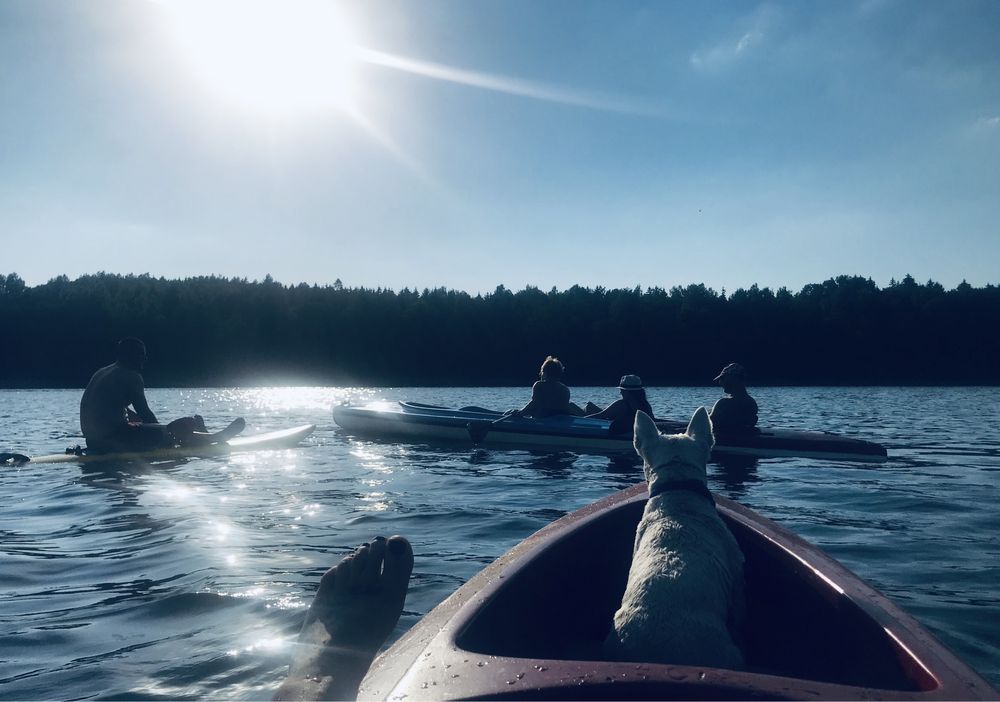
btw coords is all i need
(471, 144)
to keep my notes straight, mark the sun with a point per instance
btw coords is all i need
(268, 57)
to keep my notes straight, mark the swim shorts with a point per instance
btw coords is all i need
(133, 437)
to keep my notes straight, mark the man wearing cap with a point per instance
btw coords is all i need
(622, 412)
(737, 411)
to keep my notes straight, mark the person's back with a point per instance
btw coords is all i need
(103, 406)
(104, 417)
(737, 411)
(549, 398)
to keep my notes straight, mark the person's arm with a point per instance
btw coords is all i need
(529, 408)
(137, 395)
(609, 412)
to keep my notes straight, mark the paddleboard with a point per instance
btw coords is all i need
(282, 438)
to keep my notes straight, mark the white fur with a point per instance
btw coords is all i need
(684, 598)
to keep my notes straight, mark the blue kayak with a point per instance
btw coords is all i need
(413, 421)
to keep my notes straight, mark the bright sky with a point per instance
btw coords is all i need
(474, 143)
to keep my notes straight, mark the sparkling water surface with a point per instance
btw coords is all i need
(189, 579)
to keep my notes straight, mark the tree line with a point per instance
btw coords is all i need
(215, 331)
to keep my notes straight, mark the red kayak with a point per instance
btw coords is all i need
(530, 626)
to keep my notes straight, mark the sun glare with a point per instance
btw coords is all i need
(277, 59)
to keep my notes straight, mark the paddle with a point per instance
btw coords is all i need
(479, 428)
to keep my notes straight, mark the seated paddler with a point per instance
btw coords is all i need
(622, 411)
(549, 396)
(115, 416)
(737, 411)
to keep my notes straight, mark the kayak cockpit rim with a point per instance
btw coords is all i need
(474, 645)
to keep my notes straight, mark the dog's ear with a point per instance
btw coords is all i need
(645, 431)
(700, 428)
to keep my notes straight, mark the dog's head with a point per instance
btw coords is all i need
(674, 456)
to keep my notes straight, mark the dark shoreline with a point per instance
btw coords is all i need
(219, 332)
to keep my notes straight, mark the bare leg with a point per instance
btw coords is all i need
(355, 609)
(188, 431)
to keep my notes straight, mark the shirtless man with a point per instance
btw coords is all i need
(737, 411)
(109, 425)
(355, 609)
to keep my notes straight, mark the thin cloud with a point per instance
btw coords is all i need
(514, 86)
(985, 127)
(747, 40)
(727, 53)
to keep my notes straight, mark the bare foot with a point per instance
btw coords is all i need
(355, 609)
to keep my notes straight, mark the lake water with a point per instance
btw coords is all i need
(188, 580)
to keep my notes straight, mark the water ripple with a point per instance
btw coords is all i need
(208, 564)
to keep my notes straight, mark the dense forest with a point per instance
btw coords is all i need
(216, 331)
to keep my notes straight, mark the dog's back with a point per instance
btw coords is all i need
(684, 597)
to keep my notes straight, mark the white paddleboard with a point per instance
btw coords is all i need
(282, 438)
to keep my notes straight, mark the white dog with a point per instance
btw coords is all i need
(684, 599)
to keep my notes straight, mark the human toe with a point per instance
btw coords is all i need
(398, 563)
(373, 568)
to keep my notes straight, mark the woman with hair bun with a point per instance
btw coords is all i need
(549, 396)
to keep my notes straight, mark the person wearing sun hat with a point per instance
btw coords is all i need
(737, 411)
(621, 412)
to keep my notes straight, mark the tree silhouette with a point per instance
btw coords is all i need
(221, 331)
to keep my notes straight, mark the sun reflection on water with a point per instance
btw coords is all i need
(376, 502)
(177, 492)
(370, 459)
(365, 454)
(272, 644)
(222, 531)
(276, 400)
